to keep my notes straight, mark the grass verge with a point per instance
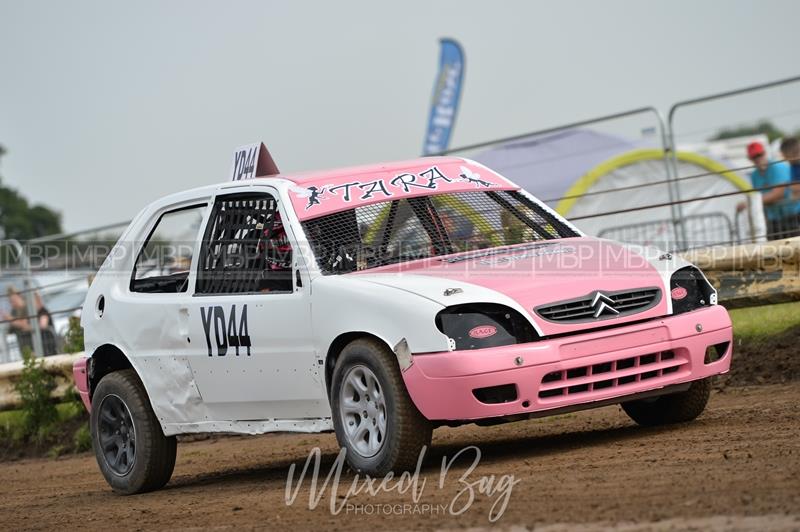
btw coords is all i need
(68, 434)
(753, 323)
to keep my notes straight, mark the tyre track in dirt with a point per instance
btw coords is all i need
(740, 459)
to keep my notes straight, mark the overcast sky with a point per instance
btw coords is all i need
(107, 105)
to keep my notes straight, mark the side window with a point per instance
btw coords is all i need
(165, 259)
(245, 248)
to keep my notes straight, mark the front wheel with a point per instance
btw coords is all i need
(374, 418)
(131, 450)
(673, 408)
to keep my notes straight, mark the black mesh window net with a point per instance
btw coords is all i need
(245, 248)
(395, 231)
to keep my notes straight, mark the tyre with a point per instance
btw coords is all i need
(131, 450)
(374, 418)
(673, 408)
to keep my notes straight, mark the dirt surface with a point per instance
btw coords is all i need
(737, 466)
(770, 360)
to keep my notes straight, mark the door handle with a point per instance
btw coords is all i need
(183, 322)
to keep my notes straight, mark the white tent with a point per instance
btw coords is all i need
(571, 169)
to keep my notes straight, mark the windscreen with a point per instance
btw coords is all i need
(386, 233)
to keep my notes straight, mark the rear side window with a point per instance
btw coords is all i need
(164, 262)
(245, 248)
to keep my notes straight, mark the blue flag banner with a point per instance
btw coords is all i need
(446, 95)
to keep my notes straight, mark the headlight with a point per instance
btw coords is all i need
(479, 325)
(689, 290)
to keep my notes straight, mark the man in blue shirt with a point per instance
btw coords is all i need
(773, 177)
(790, 149)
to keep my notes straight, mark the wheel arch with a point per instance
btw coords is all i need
(106, 359)
(338, 344)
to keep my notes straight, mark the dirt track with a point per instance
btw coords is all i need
(741, 458)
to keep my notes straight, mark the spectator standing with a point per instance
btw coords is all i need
(18, 321)
(774, 177)
(21, 327)
(50, 343)
(790, 149)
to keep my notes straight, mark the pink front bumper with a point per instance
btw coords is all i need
(571, 370)
(82, 381)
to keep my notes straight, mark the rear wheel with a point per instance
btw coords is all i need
(131, 450)
(374, 418)
(673, 408)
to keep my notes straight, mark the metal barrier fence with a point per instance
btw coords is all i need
(776, 103)
(581, 167)
(43, 284)
(716, 227)
(711, 229)
(678, 193)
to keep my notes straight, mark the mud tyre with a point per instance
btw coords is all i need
(132, 452)
(673, 408)
(373, 415)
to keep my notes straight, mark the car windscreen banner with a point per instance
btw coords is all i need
(446, 95)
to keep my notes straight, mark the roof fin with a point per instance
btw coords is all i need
(252, 160)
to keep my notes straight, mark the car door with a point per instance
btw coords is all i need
(252, 354)
(154, 303)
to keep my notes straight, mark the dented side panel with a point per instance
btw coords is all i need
(191, 384)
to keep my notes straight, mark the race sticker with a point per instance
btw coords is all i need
(400, 185)
(245, 159)
(226, 331)
(252, 160)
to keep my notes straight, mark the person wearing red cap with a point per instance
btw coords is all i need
(773, 177)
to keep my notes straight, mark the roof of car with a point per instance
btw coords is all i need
(304, 178)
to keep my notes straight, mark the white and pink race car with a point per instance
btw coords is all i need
(379, 302)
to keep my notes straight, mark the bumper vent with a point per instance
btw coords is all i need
(505, 393)
(612, 374)
(600, 305)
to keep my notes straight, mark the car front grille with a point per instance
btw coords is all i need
(613, 374)
(584, 309)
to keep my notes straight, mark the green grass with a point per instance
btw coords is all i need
(759, 322)
(13, 422)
